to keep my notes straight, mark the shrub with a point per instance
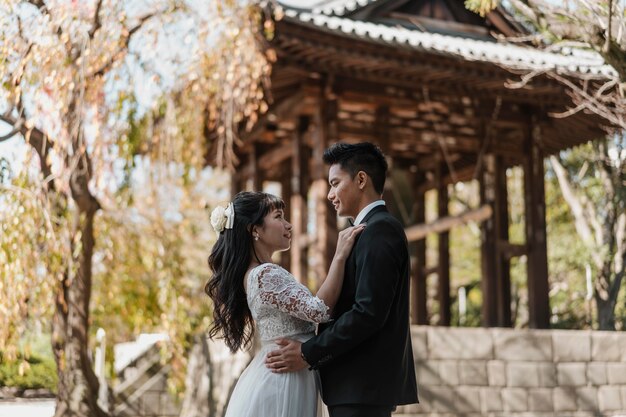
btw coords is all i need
(31, 373)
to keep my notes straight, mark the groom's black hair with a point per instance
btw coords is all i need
(356, 157)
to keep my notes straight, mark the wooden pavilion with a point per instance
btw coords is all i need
(431, 84)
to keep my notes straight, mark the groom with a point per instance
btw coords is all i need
(364, 355)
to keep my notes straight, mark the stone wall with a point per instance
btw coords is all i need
(505, 372)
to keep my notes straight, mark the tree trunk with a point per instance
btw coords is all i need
(606, 311)
(77, 393)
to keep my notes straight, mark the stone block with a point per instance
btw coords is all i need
(449, 373)
(623, 395)
(473, 373)
(540, 399)
(522, 345)
(564, 399)
(409, 409)
(496, 373)
(170, 406)
(459, 343)
(526, 414)
(571, 345)
(616, 373)
(572, 374)
(491, 400)
(441, 399)
(419, 341)
(467, 399)
(522, 374)
(151, 403)
(587, 398)
(605, 346)
(428, 373)
(596, 373)
(514, 399)
(609, 399)
(547, 374)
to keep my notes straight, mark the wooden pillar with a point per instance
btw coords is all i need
(535, 211)
(381, 127)
(503, 264)
(488, 243)
(443, 268)
(236, 184)
(419, 310)
(325, 216)
(286, 194)
(299, 187)
(256, 178)
(495, 262)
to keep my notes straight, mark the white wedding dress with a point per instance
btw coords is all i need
(281, 307)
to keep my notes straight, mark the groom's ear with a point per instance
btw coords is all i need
(361, 179)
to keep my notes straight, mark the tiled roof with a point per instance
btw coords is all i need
(567, 60)
(341, 7)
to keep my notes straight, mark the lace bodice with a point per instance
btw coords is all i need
(281, 306)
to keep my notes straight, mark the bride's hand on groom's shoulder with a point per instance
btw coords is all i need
(287, 358)
(346, 240)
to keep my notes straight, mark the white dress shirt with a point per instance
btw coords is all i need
(366, 210)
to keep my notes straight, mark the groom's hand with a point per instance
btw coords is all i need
(288, 358)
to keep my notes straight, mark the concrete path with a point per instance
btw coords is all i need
(27, 408)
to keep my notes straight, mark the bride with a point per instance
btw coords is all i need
(250, 292)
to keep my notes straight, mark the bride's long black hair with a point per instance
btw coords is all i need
(229, 261)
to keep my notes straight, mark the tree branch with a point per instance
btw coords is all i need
(581, 222)
(96, 20)
(122, 49)
(15, 131)
(598, 108)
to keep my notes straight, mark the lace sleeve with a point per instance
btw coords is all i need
(279, 289)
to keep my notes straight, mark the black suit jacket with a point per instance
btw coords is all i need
(365, 356)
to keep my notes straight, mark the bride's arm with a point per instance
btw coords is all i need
(331, 287)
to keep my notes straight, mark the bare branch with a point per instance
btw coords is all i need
(96, 20)
(122, 49)
(581, 222)
(10, 134)
(593, 104)
(607, 42)
(37, 3)
(525, 79)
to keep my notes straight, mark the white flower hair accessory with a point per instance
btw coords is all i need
(223, 218)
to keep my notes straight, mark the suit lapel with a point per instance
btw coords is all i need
(377, 209)
(373, 211)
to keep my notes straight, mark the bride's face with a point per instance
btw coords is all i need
(276, 231)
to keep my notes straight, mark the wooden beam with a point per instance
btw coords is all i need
(275, 156)
(420, 231)
(489, 286)
(299, 186)
(419, 291)
(283, 109)
(535, 211)
(325, 216)
(441, 24)
(503, 265)
(255, 175)
(511, 250)
(443, 270)
(287, 196)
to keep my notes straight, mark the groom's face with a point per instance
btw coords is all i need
(344, 191)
